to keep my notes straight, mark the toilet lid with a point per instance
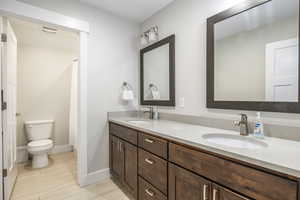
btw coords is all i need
(39, 143)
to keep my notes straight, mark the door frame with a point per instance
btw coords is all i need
(13, 8)
(11, 172)
(1, 148)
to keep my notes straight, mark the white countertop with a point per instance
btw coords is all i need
(281, 155)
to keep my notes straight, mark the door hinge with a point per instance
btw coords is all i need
(4, 173)
(3, 37)
(3, 103)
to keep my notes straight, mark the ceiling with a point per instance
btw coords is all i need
(31, 34)
(136, 10)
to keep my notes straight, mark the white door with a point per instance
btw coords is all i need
(9, 88)
(282, 71)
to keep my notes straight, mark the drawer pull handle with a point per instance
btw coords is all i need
(149, 141)
(215, 192)
(149, 192)
(205, 192)
(147, 160)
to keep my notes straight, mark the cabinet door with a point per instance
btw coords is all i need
(130, 178)
(116, 158)
(220, 193)
(185, 185)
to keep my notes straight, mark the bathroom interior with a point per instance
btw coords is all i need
(44, 97)
(160, 100)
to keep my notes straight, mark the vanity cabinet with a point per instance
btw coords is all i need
(220, 193)
(148, 192)
(187, 185)
(123, 164)
(184, 184)
(155, 168)
(251, 182)
(117, 158)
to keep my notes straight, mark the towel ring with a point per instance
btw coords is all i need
(127, 86)
(152, 86)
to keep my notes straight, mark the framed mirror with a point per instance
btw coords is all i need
(158, 73)
(253, 57)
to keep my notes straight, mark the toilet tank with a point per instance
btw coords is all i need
(39, 130)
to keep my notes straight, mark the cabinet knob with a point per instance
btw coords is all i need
(149, 192)
(205, 192)
(149, 141)
(147, 160)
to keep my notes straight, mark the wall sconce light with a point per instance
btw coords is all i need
(149, 36)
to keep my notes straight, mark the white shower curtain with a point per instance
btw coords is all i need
(73, 130)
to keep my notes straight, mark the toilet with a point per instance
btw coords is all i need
(40, 143)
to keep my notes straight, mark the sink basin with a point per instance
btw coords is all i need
(142, 122)
(235, 141)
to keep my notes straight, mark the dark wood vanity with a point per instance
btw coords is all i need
(149, 167)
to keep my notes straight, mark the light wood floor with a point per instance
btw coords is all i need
(58, 182)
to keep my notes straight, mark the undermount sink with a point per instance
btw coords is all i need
(235, 141)
(142, 122)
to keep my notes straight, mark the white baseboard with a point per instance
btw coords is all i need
(96, 177)
(61, 149)
(22, 153)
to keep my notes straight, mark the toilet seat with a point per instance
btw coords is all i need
(40, 145)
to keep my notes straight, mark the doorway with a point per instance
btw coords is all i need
(20, 10)
(36, 89)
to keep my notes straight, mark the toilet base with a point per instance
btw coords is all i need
(40, 161)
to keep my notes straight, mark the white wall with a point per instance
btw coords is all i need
(187, 20)
(112, 59)
(44, 78)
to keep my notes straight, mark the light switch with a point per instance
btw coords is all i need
(181, 102)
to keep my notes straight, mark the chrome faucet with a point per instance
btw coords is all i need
(243, 124)
(151, 112)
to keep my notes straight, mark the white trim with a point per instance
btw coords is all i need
(22, 153)
(82, 111)
(21, 10)
(61, 149)
(96, 177)
(1, 142)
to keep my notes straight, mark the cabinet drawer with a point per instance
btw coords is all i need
(148, 192)
(126, 134)
(153, 169)
(153, 144)
(246, 180)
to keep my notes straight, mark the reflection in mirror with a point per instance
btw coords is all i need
(156, 74)
(256, 54)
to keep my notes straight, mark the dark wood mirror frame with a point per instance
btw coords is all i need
(287, 107)
(171, 102)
